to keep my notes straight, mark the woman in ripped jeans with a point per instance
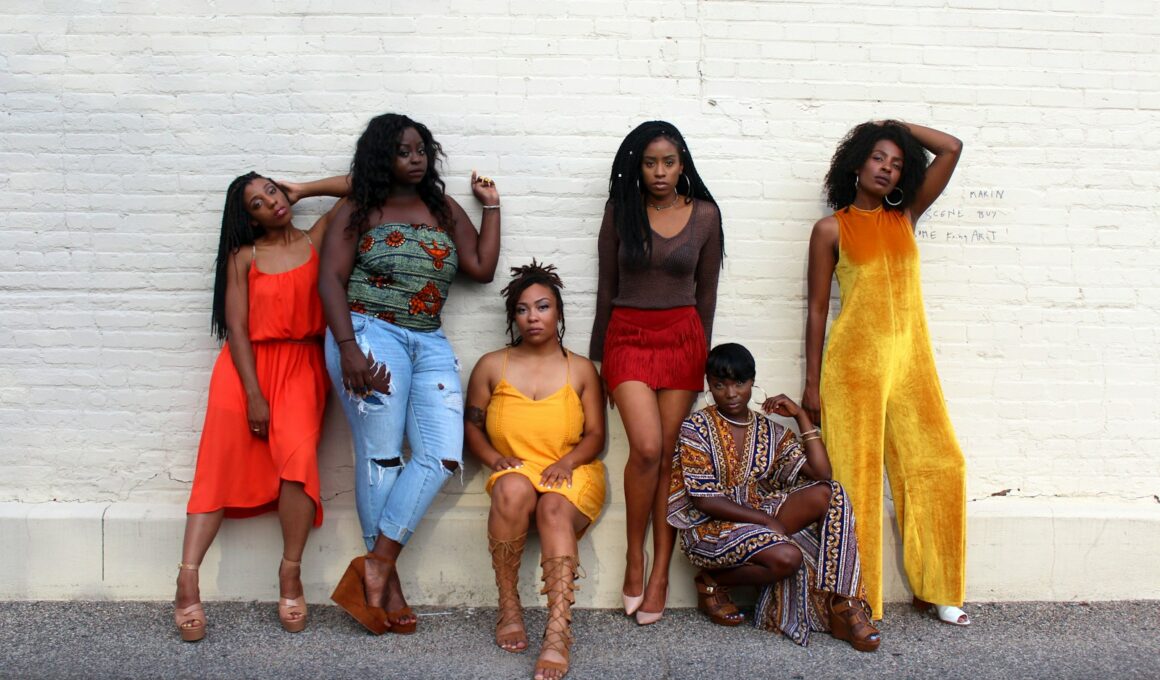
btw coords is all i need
(386, 269)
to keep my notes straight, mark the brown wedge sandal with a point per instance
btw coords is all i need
(400, 621)
(292, 611)
(510, 633)
(850, 621)
(713, 601)
(190, 621)
(350, 594)
(560, 574)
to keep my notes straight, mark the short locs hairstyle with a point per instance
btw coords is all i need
(856, 147)
(523, 278)
(730, 361)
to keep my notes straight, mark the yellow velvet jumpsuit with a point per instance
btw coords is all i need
(881, 401)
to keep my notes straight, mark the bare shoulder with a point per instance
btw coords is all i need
(583, 368)
(240, 259)
(457, 210)
(827, 225)
(489, 363)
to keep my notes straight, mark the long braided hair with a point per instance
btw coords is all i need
(626, 191)
(238, 231)
(374, 157)
(523, 278)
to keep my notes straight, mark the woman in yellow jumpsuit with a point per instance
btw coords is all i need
(876, 390)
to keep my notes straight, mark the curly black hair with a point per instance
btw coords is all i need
(856, 147)
(238, 230)
(370, 170)
(523, 278)
(625, 190)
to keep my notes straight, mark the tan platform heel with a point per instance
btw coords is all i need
(850, 621)
(288, 607)
(190, 621)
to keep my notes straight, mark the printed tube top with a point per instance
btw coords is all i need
(402, 273)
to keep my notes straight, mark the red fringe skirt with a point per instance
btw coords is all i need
(663, 348)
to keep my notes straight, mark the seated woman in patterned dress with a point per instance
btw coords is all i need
(535, 416)
(754, 505)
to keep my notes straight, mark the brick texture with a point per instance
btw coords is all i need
(122, 123)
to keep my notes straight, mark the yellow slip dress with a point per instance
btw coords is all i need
(882, 402)
(540, 432)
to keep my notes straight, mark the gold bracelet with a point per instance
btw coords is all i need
(811, 438)
(813, 431)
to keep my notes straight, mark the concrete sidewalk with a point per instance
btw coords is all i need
(137, 640)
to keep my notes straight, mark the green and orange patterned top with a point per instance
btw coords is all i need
(402, 273)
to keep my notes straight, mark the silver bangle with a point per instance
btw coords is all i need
(491, 207)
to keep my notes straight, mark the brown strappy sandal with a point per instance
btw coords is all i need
(292, 611)
(350, 594)
(713, 601)
(850, 621)
(560, 574)
(190, 621)
(510, 632)
(397, 619)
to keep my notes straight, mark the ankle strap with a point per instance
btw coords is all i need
(190, 567)
(292, 562)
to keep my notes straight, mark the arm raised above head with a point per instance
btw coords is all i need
(946, 149)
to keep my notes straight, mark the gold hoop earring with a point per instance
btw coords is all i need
(764, 396)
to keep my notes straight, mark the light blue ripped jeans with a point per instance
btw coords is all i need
(426, 403)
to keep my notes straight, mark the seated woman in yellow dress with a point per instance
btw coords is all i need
(535, 415)
(755, 505)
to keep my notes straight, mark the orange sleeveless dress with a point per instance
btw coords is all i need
(237, 471)
(540, 432)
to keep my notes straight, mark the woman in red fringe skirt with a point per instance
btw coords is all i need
(661, 247)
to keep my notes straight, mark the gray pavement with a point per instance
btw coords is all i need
(138, 640)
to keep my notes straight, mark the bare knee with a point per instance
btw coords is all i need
(645, 457)
(819, 495)
(512, 494)
(782, 560)
(451, 465)
(553, 510)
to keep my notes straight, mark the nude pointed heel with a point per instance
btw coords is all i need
(633, 602)
(288, 607)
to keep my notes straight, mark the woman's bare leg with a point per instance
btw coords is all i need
(296, 514)
(673, 406)
(200, 530)
(642, 423)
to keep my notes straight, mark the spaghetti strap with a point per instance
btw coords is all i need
(307, 235)
(506, 353)
(253, 253)
(568, 374)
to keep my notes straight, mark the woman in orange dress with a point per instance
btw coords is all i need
(259, 443)
(535, 416)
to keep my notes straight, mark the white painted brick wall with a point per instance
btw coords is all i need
(122, 123)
